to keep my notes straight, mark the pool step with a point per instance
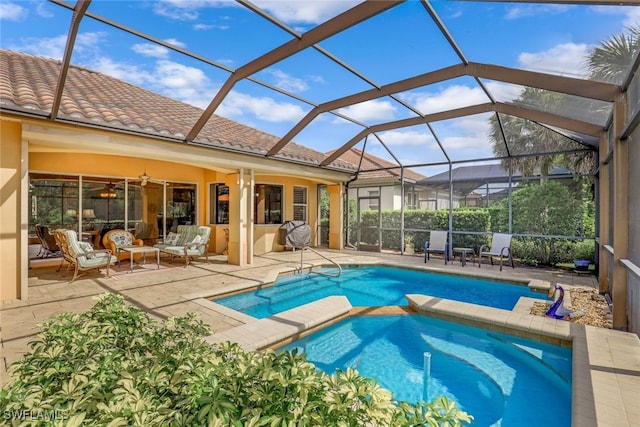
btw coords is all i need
(275, 329)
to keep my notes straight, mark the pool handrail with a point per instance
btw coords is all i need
(322, 256)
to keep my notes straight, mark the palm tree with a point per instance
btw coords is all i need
(611, 59)
(524, 137)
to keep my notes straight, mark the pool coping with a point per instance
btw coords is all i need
(603, 380)
(286, 326)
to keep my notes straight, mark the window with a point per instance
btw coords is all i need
(300, 203)
(267, 207)
(53, 201)
(374, 201)
(181, 205)
(219, 208)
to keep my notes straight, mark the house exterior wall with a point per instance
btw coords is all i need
(13, 235)
(437, 200)
(32, 147)
(391, 197)
(121, 167)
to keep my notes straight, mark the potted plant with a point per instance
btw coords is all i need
(408, 245)
(583, 255)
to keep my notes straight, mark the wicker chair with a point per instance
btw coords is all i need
(81, 255)
(115, 239)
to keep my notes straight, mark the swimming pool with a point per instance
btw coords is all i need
(375, 286)
(497, 378)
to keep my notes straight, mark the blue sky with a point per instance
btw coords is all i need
(399, 43)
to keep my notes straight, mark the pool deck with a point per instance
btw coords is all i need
(606, 365)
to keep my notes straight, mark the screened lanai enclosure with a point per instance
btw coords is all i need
(473, 117)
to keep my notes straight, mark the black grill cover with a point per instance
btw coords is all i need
(295, 234)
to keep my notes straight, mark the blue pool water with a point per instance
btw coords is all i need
(375, 286)
(499, 379)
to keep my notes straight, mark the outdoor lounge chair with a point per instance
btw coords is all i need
(116, 239)
(81, 255)
(500, 247)
(190, 242)
(48, 245)
(437, 243)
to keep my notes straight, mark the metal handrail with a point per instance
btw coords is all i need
(322, 256)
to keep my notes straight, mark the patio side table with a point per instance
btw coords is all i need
(463, 255)
(141, 250)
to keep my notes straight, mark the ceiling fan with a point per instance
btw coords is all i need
(108, 192)
(144, 179)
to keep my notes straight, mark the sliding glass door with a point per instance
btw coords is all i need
(95, 205)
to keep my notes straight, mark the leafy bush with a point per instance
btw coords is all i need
(113, 365)
(584, 249)
(463, 219)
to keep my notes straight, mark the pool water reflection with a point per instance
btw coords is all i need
(497, 378)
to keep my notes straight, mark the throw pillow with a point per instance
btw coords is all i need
(87, 249)
(196, 240)
(171, 239)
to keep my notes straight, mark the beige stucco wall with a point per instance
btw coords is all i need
(12, 245)
(29, 146)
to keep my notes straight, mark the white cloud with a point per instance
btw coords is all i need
(448, 98)
(130, 73)
(309, 12)
(43, 10)
(477, 124)
(406, 138)
(202, 27)
(187, 10)
(176, 43)
(53, 47)
(288, 82)
(455, 143)
(633, 17)
(12, 12)
(175, 13)
(523, 11)
(503, 92)
(188, 84)
(370, 110)
(151, 49)
(238, 104)
(564, 59)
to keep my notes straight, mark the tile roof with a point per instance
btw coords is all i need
(369, 161)
(466, 179)
(28, 84)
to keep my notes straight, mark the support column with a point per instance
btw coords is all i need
(620, 216)
(13, 213)
(336, 203)
(239, 218)
(604, 201)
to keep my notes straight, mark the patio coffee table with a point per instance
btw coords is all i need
(141, 250)
(463, 255)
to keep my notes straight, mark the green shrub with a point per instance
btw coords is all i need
(113, 365)
(584, 249)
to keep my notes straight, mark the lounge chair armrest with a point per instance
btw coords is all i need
(482, 249)
(506, 249)
(108, 251)
(195, 245)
